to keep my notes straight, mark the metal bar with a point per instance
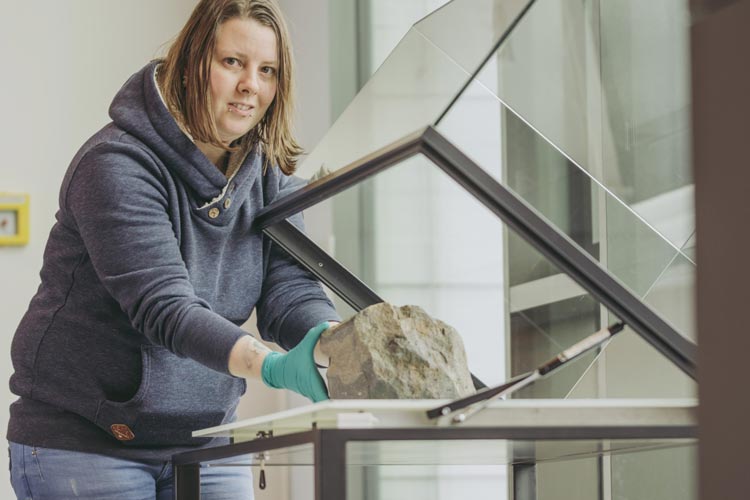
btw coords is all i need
(247, 447)
(524, 481)
(187, 482)
(339, 279)
(560, 250)
(330, 465)
(552, 433)
(338, 181)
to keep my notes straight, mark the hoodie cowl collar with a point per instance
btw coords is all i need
(139, 110)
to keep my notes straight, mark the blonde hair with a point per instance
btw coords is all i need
(185, 78)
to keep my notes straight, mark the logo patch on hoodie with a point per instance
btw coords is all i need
(122, 432)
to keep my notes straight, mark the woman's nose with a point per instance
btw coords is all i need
(249, 83)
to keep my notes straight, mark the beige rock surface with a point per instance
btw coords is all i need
(389, 352)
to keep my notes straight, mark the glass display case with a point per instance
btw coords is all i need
(500, 171)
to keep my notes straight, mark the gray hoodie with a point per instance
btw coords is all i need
(151, 267)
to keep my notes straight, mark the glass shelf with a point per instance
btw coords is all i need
(539, 414)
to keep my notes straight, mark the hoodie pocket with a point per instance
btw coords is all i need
(176, 396)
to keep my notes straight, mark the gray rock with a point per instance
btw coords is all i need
(388, 352)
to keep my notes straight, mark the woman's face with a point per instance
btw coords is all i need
(244, 72)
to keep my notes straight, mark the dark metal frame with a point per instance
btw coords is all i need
(327, 269)
(329, 448)
(546, 239)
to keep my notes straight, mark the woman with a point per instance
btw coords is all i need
(132, 340)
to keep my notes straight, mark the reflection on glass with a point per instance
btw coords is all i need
(606, 82)
(414, 85)
(689, 248)
(575, 203)
(467, 30)
(628, 367)
(672, 294)
(539, 333)
(476, 469)
(407, 92)
(663, 472)
(645, 103)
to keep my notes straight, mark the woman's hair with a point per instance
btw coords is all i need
(184, 78)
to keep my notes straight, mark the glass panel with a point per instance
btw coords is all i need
(606, 82)
(672, 294)
(657, 272)
(433, 245)
(457, 469)
(637, 255)
(468, 30)
(409, 91)
(645, 75)
(517, 156)
(666, 473)
(542, 71)
(628, 367)
(492, 452)
(581, 93)
(413, 86)
(689, 248)
(539, 333)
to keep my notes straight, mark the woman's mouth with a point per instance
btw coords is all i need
(241, 109)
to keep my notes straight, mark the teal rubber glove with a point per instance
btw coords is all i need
(296, 369)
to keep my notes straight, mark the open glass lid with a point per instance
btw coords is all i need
(447, 189)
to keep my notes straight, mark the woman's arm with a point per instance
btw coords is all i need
(248, 354)
(246, 357)
(292, 300)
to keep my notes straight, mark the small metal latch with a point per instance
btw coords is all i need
(262, 457)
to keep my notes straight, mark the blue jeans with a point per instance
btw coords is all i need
(43, 473)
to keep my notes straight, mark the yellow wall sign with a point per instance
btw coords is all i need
(14, 219)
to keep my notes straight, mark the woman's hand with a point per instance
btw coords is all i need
(321, 359)
(296, 370)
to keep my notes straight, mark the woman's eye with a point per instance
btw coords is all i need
(231, 61)
(269, 70)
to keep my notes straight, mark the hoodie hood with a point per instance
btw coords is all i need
(139, 110)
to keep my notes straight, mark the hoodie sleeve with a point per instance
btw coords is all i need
(292, 300)
(119, 206)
